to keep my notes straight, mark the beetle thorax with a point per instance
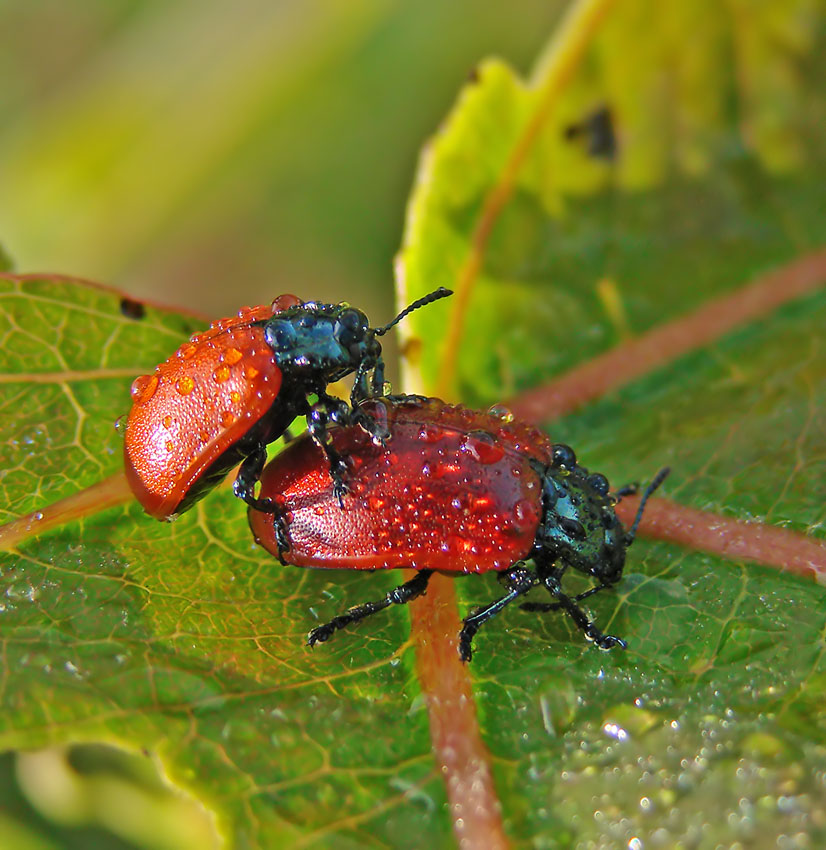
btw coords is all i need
(580, 528)
(321, 339)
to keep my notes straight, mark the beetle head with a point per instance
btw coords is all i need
(330, 340)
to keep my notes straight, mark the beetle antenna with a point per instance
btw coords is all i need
(441, 292)
(658, 479)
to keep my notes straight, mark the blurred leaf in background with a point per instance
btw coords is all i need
(215, 154)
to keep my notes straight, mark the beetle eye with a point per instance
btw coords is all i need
(599, 483)
(563, 456)
(280, 335)
(352, 326)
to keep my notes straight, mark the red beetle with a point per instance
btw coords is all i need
(228, 392)
(453, 490)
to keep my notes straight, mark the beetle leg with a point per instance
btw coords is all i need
(377, 431)
(247, 478)
(325, 411)
(569, 606)
(555, 606)
(398, 596)
(244, 488)
(377, 381)
(519, 580)
(628, 490)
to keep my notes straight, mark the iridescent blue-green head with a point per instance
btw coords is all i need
(329, 341)
(580, 526)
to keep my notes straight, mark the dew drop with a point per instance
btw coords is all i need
(143, 388)
(170, 445)
(251, 372)
(227, 418)
(524, 515)
(376, 503)
(235, 396)
(221, 374)
(120, 424)
(185, 385)
(185, 352)
(231, 356)
(459, 544)
(482, 447)
(500, 412)
(167, 422)
(481, 504)
(431, 433)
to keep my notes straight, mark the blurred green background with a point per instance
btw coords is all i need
(210, 154)
(214, 154)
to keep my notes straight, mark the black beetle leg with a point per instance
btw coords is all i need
(580, 618)
(377, 381)
(247, 478)
(244, 488)
(519, 580)
(325, 411)
(555, 606)
(398, 596)
(629, 490)
(378, 433)
(360, 391)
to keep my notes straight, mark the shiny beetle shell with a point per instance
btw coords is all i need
(187, 415)
(454, 491)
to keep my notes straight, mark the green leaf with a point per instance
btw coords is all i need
(186, 640)
(5, 261)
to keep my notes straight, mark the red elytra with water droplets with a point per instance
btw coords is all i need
(199, 403)
(454, 490)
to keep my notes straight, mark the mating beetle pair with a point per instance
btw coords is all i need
(222, 397)
(455, 491)
(428, 486)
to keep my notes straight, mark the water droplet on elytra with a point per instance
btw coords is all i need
(231, 356)
(482, 447)
(143, 388)
(221, 374)
(431, 433)
(500, 412)
(227, 418)
(185, 385)
(524, 514)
